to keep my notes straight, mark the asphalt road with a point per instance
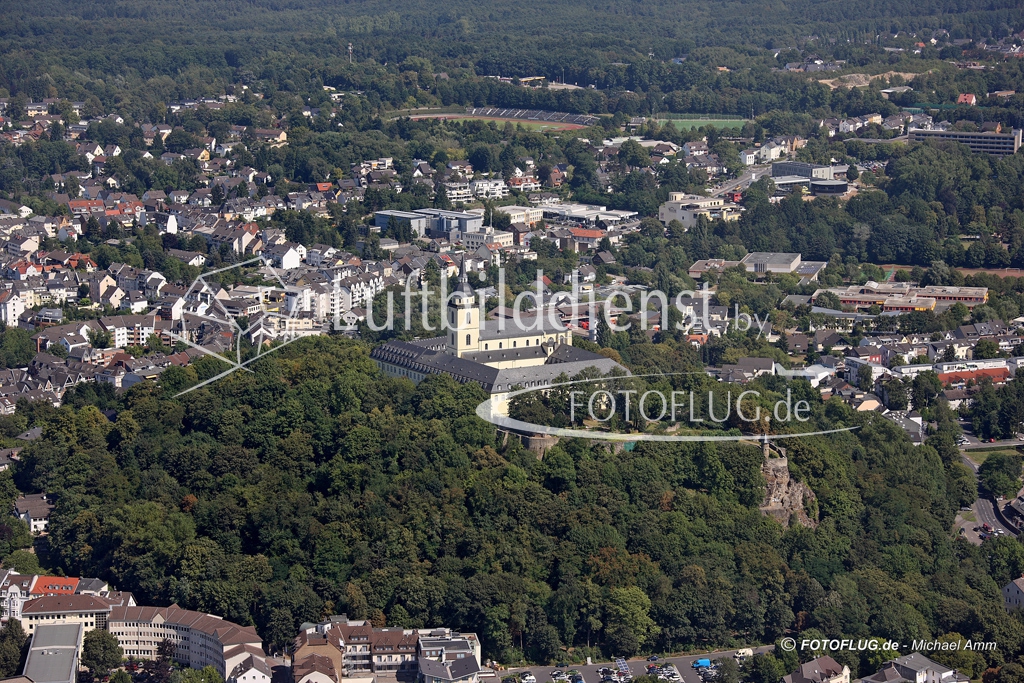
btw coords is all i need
(637, 667)
(973, 443)
(984, 510)
(740, 183)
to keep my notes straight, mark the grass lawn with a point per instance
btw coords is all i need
(977, 457)
(980, 455)
(532, 125)
(689, 124)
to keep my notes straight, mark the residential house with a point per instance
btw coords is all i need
(11, 307)
(1013, 595)
(747, 369)
(285, 256)
(820, 670)
(315, 668)
(34, 509)
(459, 671)
(915, 668)
(252, 669)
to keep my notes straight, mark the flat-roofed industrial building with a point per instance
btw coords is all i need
(53, 654)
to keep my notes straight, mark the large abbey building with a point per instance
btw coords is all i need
(498, 354)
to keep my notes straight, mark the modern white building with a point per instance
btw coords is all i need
(458, 191)
(688, 208)
(489, 188)
(474, 240)
(522, 214)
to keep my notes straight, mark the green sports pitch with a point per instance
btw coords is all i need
(688, 124)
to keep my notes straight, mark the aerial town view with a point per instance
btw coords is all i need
(352, 341)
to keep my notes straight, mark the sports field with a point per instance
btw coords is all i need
(532, 125)
(689, 124)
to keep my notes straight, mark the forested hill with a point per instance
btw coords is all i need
(314, 485)
(147, 38)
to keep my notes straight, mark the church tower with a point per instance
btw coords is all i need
(463, 317)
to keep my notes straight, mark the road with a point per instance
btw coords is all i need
(984, 510)
(974, 444)
(743, 182)
(636, 666)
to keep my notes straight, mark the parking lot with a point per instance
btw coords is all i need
(591, 673)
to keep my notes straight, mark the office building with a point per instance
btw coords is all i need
(200, 639)
(802, 169)
(980, 142)
(417, 222)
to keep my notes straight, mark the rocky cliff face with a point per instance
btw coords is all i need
(785, 497)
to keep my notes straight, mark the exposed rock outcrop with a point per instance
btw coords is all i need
(785, 497)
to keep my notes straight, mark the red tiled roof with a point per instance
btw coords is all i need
(54, 585)
(584, 232)
(995, 374)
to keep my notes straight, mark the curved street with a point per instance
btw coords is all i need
(985, 511)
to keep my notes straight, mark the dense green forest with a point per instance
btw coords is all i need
(134, 56)
(315, 485)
